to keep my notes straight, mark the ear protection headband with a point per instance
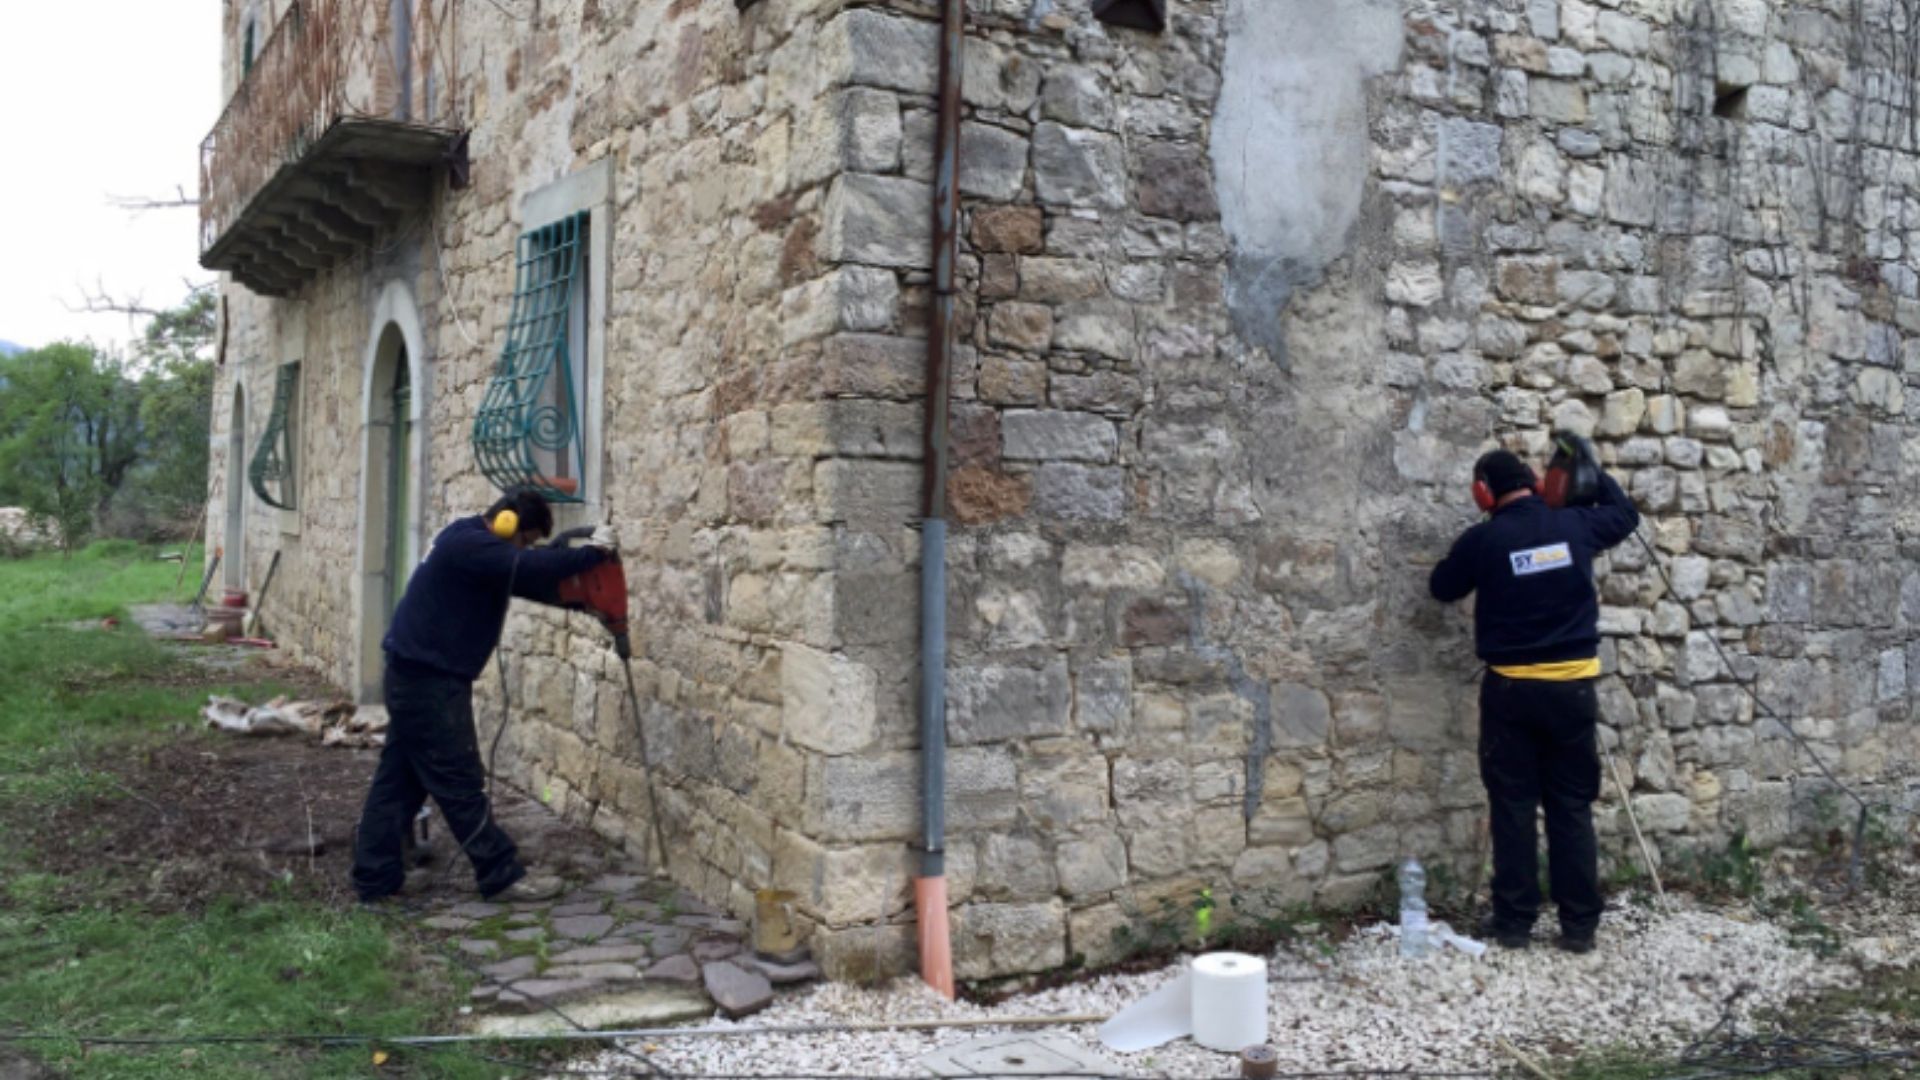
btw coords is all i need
(506, 524)
(1483, 496)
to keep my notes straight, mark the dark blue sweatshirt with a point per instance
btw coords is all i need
(1533, 567)
(456, 601)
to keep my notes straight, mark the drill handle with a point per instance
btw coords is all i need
(566, 539)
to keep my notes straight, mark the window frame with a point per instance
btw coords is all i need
(590, 191)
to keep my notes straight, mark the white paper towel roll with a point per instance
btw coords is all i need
(1229, 1001)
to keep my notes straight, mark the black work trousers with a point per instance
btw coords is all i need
(431, 749)
(1538, 750)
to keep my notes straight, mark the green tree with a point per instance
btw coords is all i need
(175, 363)
(89, 441)
(65, 438)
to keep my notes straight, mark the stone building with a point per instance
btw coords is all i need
(1241, 300)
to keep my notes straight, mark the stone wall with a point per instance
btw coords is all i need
(1241, 304)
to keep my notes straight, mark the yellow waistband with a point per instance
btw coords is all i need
(1557, 671)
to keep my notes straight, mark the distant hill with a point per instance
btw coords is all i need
(8, 348)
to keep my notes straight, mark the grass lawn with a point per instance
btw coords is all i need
(76, 957)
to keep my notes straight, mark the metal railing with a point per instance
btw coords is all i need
(327, 60)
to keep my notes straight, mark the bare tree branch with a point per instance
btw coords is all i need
(101, 302)
(140, 204)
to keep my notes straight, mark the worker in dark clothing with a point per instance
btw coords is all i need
(445, 628)
(1536, 624)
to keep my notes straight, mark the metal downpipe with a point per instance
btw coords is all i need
(930, 888)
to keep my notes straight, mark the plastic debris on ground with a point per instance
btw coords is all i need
(334, 723)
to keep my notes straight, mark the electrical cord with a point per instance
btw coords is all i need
(1855, 868)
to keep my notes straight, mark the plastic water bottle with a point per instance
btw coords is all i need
(1416, 940)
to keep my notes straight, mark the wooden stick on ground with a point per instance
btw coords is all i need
(1530, 1066)
(182, 576)
(1646, 853)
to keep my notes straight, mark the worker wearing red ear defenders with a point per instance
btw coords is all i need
(1536, 624)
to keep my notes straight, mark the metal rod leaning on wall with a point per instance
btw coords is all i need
(930, 888)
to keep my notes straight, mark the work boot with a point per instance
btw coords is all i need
(1578, 944)
(530, 888)
(1504, 935)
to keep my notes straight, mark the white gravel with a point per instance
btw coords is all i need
(1655, 982)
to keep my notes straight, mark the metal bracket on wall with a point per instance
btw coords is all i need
(459, 165)
(1149, 15)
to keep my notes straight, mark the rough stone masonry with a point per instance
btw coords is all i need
(1242, 302)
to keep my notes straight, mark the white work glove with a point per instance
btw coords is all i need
(603, 538)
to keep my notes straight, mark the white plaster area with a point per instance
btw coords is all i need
(1290, 142)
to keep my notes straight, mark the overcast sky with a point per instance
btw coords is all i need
(99, 98)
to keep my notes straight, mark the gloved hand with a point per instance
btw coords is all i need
(603, 538)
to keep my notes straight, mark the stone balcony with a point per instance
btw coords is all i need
(332, 138)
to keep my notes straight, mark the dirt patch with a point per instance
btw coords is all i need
(178, 825)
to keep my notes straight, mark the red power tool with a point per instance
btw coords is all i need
(600, 592)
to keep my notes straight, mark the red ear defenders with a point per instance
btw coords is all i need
(1483, 496)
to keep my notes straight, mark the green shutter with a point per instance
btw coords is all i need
(272, 471)
(521, 417)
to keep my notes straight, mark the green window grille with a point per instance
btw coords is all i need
(272, 470)
(527, 432)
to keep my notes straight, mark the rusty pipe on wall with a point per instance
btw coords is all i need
(930, 888)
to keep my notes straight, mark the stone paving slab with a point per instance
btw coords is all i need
(737, 991)
(603, 953)
(645, 1006)
(582, 927)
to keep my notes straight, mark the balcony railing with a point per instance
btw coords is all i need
(348, 107)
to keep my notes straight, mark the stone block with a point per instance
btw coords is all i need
(993, 162)
(1015, 229)
(867, 492)
(1060, 281)
(998, 78)
(1174, 180)
(873, 47)
(982, 496)
(1014, 867)
(1078, 167)
(1008, 939)
(1103, 695)
(1021, 326)
(1371, 848)
(1558, 101)
(1057, 435)
(828, 703)
(1104, 327)
(856, 130)
(1160, 851)
(1633, 191)
(1472, 150)
(1080, 492)
(877, 220)
(1077, 97)
(1528, 280)
(995, 702)
(1301, 715)
(1064, 786)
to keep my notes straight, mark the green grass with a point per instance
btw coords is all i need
(94, 968)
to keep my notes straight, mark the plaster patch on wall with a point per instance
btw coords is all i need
(1290, 144)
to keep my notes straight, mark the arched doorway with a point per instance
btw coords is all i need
(234, 575)
(392, 475)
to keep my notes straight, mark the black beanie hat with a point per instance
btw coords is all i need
(1503, 471)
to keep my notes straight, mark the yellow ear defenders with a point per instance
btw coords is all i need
(505, 524)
